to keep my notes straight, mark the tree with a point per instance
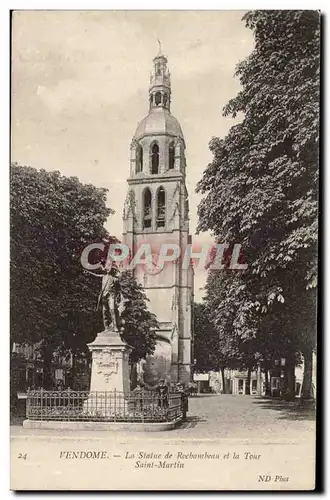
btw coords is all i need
(53, 302)
(217, 345)
(206, 341)
(235, 334)
(261, 188)
(52, 219)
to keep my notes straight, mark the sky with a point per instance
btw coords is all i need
(80, 86)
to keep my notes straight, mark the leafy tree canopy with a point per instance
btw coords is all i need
(53, 302)
(261, 189)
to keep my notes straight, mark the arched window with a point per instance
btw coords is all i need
(154, 159)
(161, 208)
(171, 155)
(158, 98)
(139, 159)
(147, 210)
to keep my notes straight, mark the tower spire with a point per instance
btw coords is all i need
(160, 82)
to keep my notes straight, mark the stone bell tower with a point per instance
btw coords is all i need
(156, 212)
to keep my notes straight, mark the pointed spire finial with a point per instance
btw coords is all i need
(160, 47)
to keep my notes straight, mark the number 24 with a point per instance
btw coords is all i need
(22, 455)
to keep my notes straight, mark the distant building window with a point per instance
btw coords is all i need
(171, 155)
(147, 210)
(158, 98)
(161, 208)
(139, 159)
(155, 159)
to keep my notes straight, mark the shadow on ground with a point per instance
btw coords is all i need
(291, 410)
(191, 422)
(206, 395)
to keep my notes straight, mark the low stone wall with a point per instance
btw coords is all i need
(101, 426)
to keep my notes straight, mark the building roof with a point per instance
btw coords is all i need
(158, 121)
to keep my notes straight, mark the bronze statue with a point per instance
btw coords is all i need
(110, 299)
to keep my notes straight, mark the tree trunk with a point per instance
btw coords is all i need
(47, 368)
(11, 346)
(248, 383)
(73, 371)
(306, 391)
(133, 376)
(259, 385)
(267, 384)
(224, 389)
(289, 379)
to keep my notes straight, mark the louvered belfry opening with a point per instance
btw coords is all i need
(161, 208)
(147, 209)
(155, 159)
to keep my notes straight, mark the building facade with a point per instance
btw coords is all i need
(236, 380)
(156, 212)
(28, 369)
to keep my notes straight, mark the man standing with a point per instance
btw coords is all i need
(138, 397)
(184, 400)
(162, 392)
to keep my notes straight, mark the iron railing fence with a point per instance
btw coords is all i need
(144, 406)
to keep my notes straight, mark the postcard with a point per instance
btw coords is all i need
(164, 232)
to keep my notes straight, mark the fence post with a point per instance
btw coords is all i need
(143, 405)
(41, 403)
(27, 411)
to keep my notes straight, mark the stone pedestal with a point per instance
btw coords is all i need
(109, 376)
